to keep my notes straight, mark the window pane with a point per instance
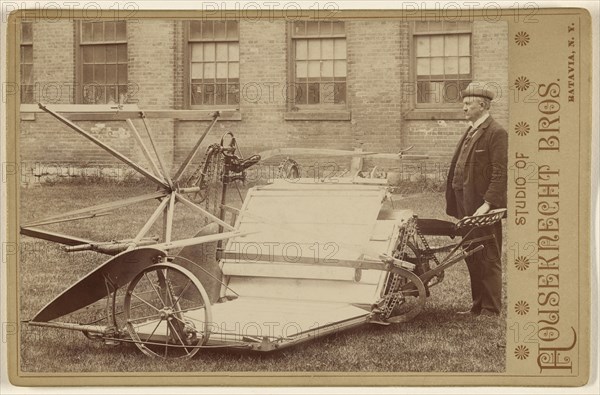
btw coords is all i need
(122, 93)
(234, 70)
(327, 94)
(196, 71)
(234, 52)
(301, 70)
(299, 28)
(26, 32)
(232, 29)
(437, 45)
(196, 94)
(464, 44)
(99, 54)
(88, 54)
(122, 73)
(121, 30)
(340, 68)
(437, 66)
(314, 49)
(222, 69)
(197, 52)
(422, 46)
(99, 76)
(325, 29)
(209, 52)
(314, 69)
(340, 49)
(122, 53)
(208, 94)
(451, 66)
(111, 94)
(339, 93)
(209, 71)
(221, 94)
(338, 28)
(109, 31)
(220, 29)
(327, 68)
(327, 49)
(207, 30)
(233, 94)
(300, 93)
(195, 30)
(451, 45)
(27, 53)
(27, 76)
(222, 51)
(312, 28)
(97, 31)
(423, 66)
(451, 92)
(26, 94)
(464, 65)
(111, 54)
(86, 31)
(301, 49)
(88, 74)
(111, 74)
(313, 93)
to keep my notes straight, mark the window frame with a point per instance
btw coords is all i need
(431, 108)
(187, 72)
(21, 63)
(318, 111)
(79, 44)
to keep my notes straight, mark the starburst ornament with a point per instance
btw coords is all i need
(522, 38)
(521, 352)
(522, 83)
(521, 307)
(522, 128)
(522, 263)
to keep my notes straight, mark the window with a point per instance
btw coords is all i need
(319, 63)
(442, 62)
(102, 62)
(213, 76)
(26, 62)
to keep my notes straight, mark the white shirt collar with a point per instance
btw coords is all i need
(481, 120)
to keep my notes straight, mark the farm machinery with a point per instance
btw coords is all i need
(301, 258)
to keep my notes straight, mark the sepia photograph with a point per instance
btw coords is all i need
(305, 193)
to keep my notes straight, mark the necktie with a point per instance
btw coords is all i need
(470, 134)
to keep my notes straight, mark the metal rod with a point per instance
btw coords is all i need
(102, 207)
(165, 173)
(169, 219)
(56, 221)
(138, 138)
(200, 240)
(194, 150)
(149, 223)
(55, 237)
(100, 329)
(202, 211)
(108, 149)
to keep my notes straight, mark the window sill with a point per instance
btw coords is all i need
(27, 116)
(318, 116)
(434, 115)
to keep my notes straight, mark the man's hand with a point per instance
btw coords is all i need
(483, 209)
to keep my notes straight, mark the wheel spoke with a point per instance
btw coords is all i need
(142, 300)
(173, 329)
(182, 292)
(155, 290)
(153, 331)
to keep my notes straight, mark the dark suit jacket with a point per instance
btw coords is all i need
(484, 178)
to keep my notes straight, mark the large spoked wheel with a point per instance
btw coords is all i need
(411, 294)
(168, 312)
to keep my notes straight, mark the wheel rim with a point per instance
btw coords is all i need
(414, 295)
(167, 312)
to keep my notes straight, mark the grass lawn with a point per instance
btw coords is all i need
(435, 341)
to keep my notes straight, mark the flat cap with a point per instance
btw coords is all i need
(477, 89)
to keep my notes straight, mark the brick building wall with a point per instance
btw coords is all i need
(378, 72)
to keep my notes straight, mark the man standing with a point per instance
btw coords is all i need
(476, 184)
